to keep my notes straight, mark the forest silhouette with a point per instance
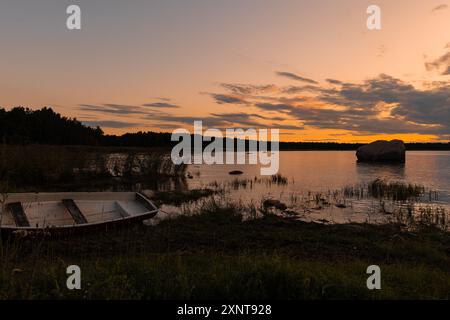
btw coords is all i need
(21, 126)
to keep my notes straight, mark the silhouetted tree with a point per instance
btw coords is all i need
(25, 126)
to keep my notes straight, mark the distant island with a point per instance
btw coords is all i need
(22, 125)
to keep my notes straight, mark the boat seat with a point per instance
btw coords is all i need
(74, 211)
(20, 218)
(122, 211)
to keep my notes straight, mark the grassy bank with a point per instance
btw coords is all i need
(216, 255)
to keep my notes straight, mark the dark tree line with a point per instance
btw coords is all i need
(25, 126)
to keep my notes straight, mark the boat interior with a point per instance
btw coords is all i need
(42, 210)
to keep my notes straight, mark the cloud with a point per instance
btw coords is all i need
(246, 93)
(227, 99)
(171, 126)
(379, 105)
(446, 72)
(441, 63)
(382, 104)
(248, 89)
(299, 89)
(283, 108)
(119, 109)
(412, 110)
(334, 81)
(440, 7)
(161, 105)
(111, 124)
(293, 76)
(113, 109)
(241, 115)
(231, 120)
(183, 120)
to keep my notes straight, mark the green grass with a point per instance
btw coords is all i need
(195, 276)
(215, 255)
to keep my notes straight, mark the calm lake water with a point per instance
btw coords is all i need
(326, 171)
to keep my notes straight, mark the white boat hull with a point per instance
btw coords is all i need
(73, 210)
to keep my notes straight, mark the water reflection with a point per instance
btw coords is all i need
(390, 171)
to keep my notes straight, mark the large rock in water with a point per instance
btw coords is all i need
(382, 151)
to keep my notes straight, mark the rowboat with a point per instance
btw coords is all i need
(73, 211)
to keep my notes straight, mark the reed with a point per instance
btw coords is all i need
(397, 191)
(278, 179)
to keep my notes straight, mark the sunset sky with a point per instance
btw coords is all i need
(310, 68)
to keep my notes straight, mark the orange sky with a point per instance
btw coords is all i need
(158, 65)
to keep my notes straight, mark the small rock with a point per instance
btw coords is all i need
(274, 203)
(290, 212)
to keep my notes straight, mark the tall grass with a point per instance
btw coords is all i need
(397, 191)
(249, 183)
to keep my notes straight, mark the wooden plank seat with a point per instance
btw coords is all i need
(74, 211)
(20, 218)
(122, 211)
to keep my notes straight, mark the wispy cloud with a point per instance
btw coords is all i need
(334, 81)
(111, 124)
(440, 64)
(299, 89)
(227, 98)
(161, 105)
(293, 76)
(112, 109)
(440, 7)
(230, 120)
(163, 99)
(248, 89)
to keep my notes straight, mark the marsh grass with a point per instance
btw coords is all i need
(379, 201)
(278, 179)
(397, 191)
(249, 183)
